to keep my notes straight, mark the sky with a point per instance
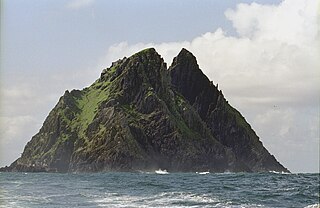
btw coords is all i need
(264, 55)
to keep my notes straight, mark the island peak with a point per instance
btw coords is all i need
(139, 115)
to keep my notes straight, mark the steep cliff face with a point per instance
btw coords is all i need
(227, 125)
(140, 116)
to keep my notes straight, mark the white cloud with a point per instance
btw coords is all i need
(293, 22)
(13, 135)
(25, 104)
(270, 72)
(14, 125)
(78, 4)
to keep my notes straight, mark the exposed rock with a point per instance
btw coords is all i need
(140, 116)
(227, 125)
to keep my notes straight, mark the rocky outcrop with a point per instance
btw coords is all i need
(141, 116)
(226, 124)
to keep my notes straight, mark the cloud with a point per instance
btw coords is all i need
(293, 22)
(269, 71)
(17, 128)
(78, 4)
(25, 104)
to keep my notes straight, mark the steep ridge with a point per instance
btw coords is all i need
(141, 116)
(227, 125)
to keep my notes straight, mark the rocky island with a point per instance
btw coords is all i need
(141, 115)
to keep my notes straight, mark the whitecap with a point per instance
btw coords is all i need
(203, 173)
(164, 199)
(282, 172)
(162, 172)
(313, 206)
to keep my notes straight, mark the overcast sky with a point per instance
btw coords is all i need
(263, 54)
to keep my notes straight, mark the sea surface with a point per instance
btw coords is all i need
(158, 189)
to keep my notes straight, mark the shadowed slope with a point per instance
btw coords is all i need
(227, 125)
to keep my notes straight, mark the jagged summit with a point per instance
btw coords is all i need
(139, 115)
(147, 51)
(186, 76)
(186, 57)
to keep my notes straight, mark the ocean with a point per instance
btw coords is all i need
(158, 189)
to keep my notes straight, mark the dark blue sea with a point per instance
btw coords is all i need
(48, 190)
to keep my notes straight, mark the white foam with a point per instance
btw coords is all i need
(164, 199)
(203, 173)
(167, 199)
(162, 172)
(313, 206)
(284, 173)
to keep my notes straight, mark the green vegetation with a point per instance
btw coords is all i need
(133, 115)
(88, 104)
(150, 92)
